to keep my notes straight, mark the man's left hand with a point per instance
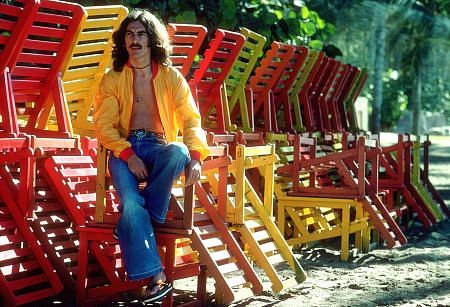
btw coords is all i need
(193, 171)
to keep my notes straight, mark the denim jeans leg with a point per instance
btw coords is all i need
(168, 165)
(136, 238)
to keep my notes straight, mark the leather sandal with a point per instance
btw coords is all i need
(163, 290)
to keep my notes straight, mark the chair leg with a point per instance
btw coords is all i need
(201, 286)
(82, 269)
(169, 269)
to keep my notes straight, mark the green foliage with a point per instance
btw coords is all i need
(395, 100)
(289, 21)
(417, 46)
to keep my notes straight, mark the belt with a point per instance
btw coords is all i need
(143, 133)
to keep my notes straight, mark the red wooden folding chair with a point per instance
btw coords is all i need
(262, 83)
(26, 274)
(209, 77)
(304, 97)
(73, 180)
(327, 99)
(324, 79)
(15, 22)
(341, 95)
(395, 161)
(186, 42)
(281, 103)
(36, 84)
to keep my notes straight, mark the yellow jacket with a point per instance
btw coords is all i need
(176, 106)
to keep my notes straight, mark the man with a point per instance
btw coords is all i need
(141, 106)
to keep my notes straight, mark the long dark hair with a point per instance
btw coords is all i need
(157, 33)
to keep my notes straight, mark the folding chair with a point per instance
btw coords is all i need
(238, 94)
(15, 22)
(251, 215)
(210, 75)
(349, 101)
(26, 274)
(263, 81)
(395, 161)
(342, 175)
(301, 89)
(35, 75)
(324, 79)
(218, 249)
(421, 175)
(84, 67)
(327, 99)
(281, 104)
(186, 42)
(95, 213)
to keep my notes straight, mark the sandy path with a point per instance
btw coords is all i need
(417, 274)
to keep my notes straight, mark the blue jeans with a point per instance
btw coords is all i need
(137, 241)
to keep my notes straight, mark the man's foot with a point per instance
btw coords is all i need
(157, 291)
(115, 233)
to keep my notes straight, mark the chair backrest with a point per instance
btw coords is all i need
(290, 73)
(285, 83)
(266, 76)
(209, 77)
(306, 71)
(325, 77)
(238, 76)
(186, 42)
(84, 68)
(304, 87)
(35, 75)
(351, 98)
(327, 101)
(346, 87)
(15, 22)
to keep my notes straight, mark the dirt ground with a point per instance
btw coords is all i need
(417, 274)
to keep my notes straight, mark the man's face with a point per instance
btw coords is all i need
(137, 41)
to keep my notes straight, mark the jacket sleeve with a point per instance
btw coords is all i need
(106, 119)
(188, 119)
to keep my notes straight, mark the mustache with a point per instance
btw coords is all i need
(135, 45)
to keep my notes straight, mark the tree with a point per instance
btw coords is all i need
(417, 36)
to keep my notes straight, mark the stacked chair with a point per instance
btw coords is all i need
(288, 168)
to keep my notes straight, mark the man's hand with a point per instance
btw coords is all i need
(193, 171)
(137, 167)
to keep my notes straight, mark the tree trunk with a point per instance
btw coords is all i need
(380, 42)
(416, 100)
